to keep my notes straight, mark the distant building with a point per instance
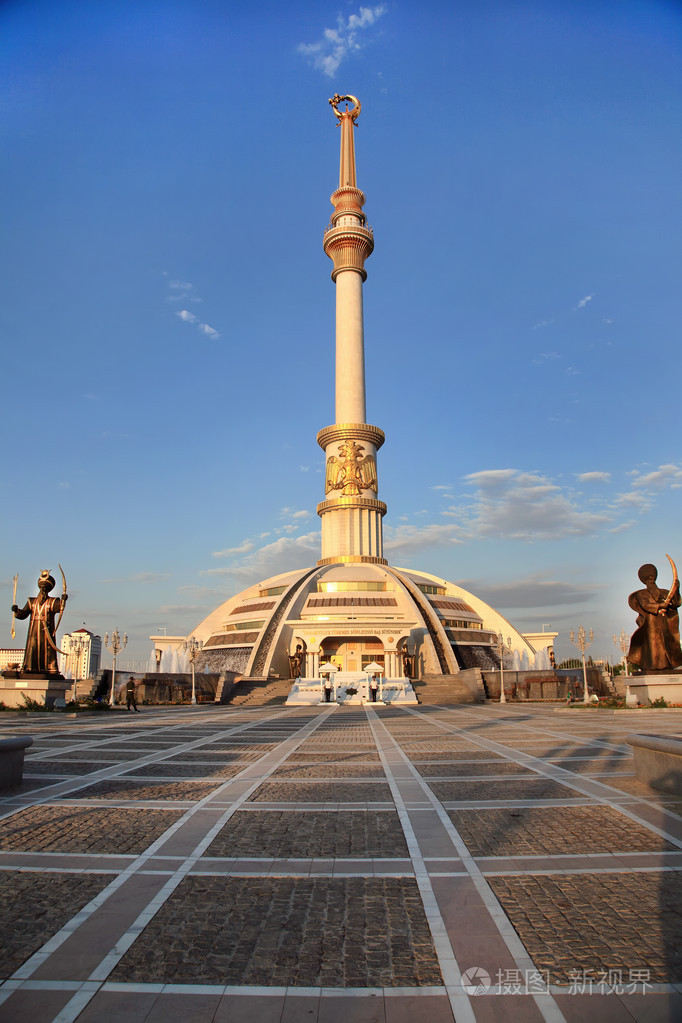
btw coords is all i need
(82, 653)
(11, 658)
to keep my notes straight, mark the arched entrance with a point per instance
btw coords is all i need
(352, 653)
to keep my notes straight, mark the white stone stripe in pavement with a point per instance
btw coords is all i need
(546, 1004)
(460, 1002)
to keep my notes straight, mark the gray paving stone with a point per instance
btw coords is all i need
(303, 932)
(323, 792)
(530, 831)
(286, 833)
(534, 788)
(576, 922)
(329, 771)
(126, 790)
(173, 769)
(453, 770)
(34, 906)
(80, 829)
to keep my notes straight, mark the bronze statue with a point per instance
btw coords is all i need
(40, 655)
(296, 662)
(655, 646)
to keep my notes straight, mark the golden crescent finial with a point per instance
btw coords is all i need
(354, 112)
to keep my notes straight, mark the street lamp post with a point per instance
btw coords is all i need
(623, 644)
(193, 646)
(502, 649)
(115, 644)
(582, 642)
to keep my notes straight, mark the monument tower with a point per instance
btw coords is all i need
(351, 514)
(352, 609)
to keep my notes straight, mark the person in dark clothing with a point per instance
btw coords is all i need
(130, 694)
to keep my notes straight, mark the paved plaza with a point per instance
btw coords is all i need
(324, 864)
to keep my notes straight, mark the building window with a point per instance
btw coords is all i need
(368, 586)
(426, 588)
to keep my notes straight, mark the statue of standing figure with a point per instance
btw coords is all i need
(655, 646)
(40, 655)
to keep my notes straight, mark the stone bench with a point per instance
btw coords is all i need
(658, 762)
(12, 760)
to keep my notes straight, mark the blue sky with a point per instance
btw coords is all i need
(168, 315)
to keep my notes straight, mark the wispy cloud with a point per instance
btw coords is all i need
(285, 554)
(337, 43)
(181, 291)
(594, 477)
(230, 552)
(140, 577)
(532, 592)
(583, 301)
(211, 332)
(543, 357)
(645, 488)
(405, 540)
(184, 291)
(659, 479)
(517, 505)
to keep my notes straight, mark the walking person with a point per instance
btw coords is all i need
(130, 694)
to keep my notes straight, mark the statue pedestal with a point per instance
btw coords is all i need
(647, 688)
(47, 690)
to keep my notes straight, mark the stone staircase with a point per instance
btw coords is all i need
(258, 692)
(465, 687)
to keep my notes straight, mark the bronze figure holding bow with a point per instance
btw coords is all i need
(40, 655)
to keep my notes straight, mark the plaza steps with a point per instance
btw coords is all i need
(259, 692)
(465, 687)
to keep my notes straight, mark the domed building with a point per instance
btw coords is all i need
(352, 609)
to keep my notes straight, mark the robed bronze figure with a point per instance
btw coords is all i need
(655, 646)
(40, 656)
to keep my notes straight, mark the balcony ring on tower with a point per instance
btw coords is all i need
(354, 113)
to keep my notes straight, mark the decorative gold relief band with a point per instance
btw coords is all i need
(352, 559)
(343, 503)
(351, 431)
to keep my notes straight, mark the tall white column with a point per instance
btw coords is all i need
(350, 349)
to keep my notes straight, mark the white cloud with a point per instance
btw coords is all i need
(403, 540)
(286, 554)
(659, 479)
(533, 592)
(545, 357)
(209, 331)
(140, 577)
(519, 505)
(336, 43)
(594, 477)
(182, 291)
(244, 547)
(583, 301)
